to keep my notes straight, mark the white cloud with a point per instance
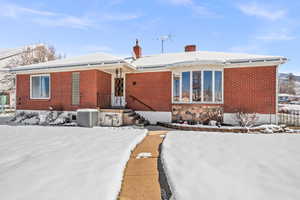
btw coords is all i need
(276, 37)
(115, 2)
(97, 48)
(195, 7)
(65, 21)
(14, 11)
(118, 16)
(181, 2)
(259, 10)
(250, 48)
(55, 19)
(203, 11)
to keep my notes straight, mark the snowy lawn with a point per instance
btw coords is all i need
(4, 118)
(232, 166)
(39, 163)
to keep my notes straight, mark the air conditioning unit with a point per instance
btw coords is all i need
(87, 117)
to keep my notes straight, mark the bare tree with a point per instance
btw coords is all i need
(34, 55)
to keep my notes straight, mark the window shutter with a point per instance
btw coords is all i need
(75, 88)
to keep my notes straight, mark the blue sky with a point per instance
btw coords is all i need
(80, 27)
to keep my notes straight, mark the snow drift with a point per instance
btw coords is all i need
(232, 166)
(39, 163)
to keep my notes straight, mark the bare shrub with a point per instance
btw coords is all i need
(246, 120)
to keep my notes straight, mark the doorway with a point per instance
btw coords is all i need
(118, 97)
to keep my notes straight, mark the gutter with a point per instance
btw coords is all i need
(178, 64)
(5, 70)
(20, 69)
(281, 60)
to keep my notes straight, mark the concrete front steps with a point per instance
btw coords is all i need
(130, 117)
(141, 176)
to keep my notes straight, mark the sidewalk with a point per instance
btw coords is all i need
(141, 176)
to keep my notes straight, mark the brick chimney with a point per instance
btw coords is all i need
(189, 48)
(137, 49)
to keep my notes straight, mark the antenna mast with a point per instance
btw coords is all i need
(164, 38)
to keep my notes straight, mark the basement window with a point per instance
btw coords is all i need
(40, 86)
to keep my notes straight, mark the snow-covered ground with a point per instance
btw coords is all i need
(39, 163)
(5, 117)
(232, 166)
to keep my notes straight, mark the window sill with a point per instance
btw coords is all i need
(204, 103)
(37, 99)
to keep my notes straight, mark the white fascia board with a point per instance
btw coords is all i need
(67, 69)
(72, 65)
(150, 70)
(232, 63)
(197, 67)
(193, 63)
(256, 64)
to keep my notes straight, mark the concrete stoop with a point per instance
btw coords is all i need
(141, 176)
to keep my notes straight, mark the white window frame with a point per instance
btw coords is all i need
(40, 98)
(202, 82)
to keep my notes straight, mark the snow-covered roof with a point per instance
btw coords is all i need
(166, 60)
(201, 57)
(79, 61)
(6, 53)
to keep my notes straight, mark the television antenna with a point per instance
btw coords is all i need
(164, 38)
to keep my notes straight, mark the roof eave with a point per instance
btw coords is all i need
(236, 62)
(70, 66)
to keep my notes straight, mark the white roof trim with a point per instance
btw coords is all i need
(156, 62)
(231, 63)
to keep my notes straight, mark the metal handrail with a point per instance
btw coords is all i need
(135, 98)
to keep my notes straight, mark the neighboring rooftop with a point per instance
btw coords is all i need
(7, 54)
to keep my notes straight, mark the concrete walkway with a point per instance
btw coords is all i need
(141, 176)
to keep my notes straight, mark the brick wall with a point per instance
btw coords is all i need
(250, 89)
(104, 89)
(61, 90)
(152, 88)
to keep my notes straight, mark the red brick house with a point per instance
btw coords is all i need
(163, 87)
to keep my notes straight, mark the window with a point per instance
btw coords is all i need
(185, 87)
(218, 86)
(198, 87)
(4, 99)
(207, 90)
(75, 88)
(176, 89)
(40, 87)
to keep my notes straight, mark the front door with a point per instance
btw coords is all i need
(119, 87)
(118, 99)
